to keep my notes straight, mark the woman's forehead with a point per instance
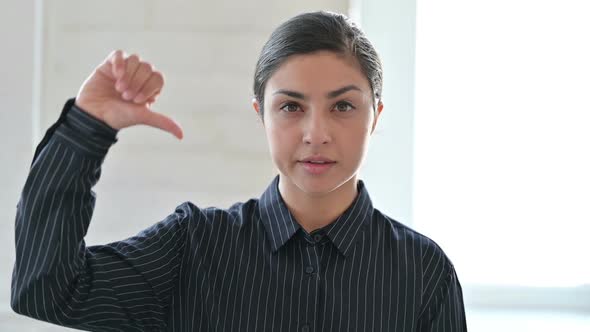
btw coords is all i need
(317, 73)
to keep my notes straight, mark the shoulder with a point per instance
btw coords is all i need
(237, 215)
(435, 270)
(206, 227)
(432, 259)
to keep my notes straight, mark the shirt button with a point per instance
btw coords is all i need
(309, 269)
(305, 328)
(317, 237)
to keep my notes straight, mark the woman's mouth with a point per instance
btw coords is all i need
(317, 167)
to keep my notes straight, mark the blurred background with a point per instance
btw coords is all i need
(483, 144)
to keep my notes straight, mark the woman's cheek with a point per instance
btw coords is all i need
(277, 142)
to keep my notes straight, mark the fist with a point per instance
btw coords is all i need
(120, 92)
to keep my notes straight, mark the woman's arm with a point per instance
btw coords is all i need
(442, 301)
(447, 311)
(121, 286)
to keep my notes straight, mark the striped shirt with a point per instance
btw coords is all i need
(250, 267)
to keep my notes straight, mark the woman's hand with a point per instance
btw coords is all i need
(120, 92)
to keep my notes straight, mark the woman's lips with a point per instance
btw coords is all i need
(316, 168)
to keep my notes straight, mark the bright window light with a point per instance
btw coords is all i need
(502, 138)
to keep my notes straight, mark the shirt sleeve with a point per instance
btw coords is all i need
(121, 286)
(448, 313)
(445, 310)
(92, 134)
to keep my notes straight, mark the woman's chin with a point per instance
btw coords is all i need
(317, 185)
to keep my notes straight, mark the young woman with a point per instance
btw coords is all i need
(310, 254)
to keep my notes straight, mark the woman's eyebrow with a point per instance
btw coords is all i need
(290, 93)
(331, 94)
(338, 92)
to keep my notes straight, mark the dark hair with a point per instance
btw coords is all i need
(315, 31)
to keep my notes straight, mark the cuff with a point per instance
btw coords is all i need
(84, 132)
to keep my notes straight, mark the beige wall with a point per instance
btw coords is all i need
(16, 100)
(207, 52)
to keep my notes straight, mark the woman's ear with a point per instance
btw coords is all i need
(256, 105)
(379, 109)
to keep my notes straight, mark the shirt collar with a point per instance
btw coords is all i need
(280, 225)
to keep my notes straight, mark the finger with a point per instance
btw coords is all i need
(110, 63)
(161, 121)
(151, 87)
(117, 63)
(139, 79)
(152, 99)
(131, 65)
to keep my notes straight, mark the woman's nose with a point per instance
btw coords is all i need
(316, 130)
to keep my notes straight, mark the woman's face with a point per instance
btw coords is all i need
(318, 107)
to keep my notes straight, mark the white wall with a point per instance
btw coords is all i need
(394, 175)
(207, 52)
(388, 170)
(16, 100)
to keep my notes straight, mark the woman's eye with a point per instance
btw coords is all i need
(290, 108)
(344, 107)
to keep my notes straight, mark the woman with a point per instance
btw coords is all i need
(311, 254)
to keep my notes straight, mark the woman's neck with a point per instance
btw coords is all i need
(316, 211)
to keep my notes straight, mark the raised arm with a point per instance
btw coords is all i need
(120, 286)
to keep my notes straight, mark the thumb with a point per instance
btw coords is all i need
(161, 121)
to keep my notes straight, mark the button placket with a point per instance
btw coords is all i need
(317, 237)
(311, 270)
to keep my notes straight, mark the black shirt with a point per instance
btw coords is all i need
(250, 267)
